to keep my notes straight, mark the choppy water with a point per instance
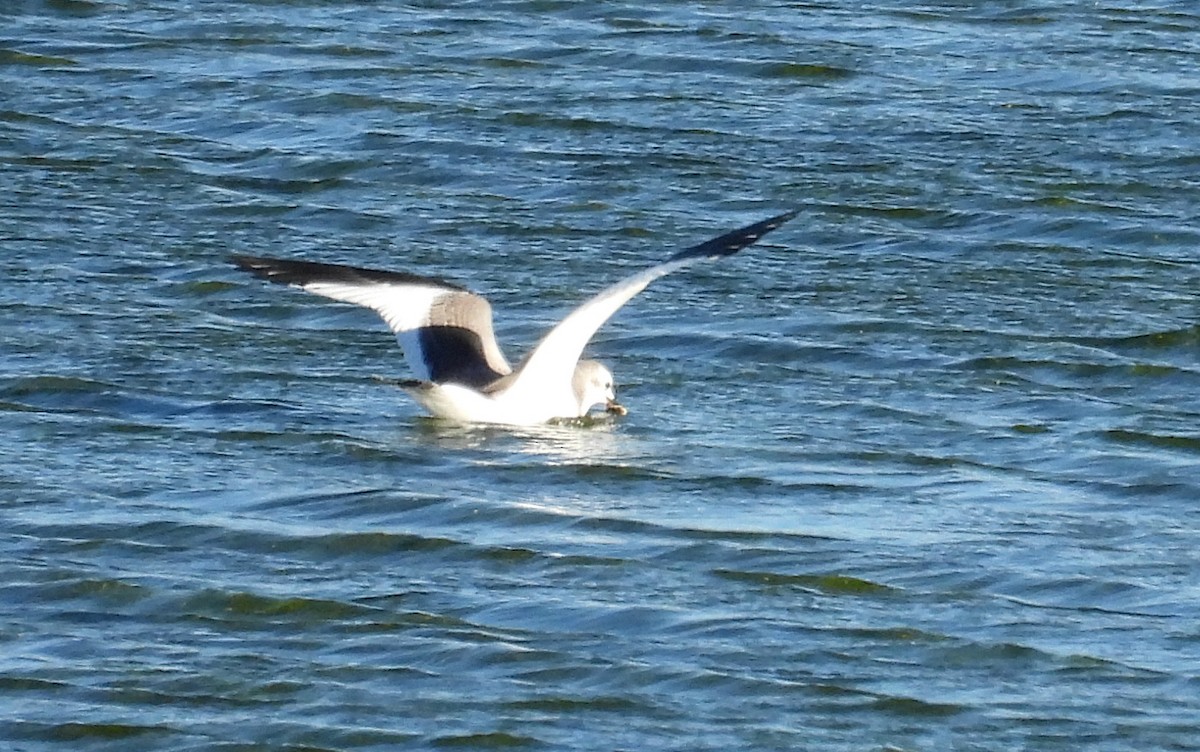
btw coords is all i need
(919, 472)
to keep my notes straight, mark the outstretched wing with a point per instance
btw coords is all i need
(553, 360)
(444, 329)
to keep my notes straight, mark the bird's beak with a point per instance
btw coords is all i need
(616, 408)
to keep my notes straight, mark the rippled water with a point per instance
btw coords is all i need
(917, 472)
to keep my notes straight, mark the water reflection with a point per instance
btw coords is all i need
(589, 441)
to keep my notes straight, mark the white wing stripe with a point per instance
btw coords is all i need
(402, 307)
(553, 360)
(405, 308)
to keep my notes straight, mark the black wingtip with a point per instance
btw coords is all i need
(732, 242)
(267, 268)
(300, 273)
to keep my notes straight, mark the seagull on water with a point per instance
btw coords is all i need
(446, 334)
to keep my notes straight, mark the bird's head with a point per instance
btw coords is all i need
(593, 384)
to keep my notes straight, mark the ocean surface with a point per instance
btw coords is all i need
(921, 471)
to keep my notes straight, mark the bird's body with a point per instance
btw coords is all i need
(447, 337)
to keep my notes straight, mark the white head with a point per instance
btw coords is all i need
(593, 385)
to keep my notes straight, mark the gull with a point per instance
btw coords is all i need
(445, 331)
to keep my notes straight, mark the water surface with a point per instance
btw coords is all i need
(917, 472)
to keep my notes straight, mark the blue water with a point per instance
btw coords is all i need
(919, 471)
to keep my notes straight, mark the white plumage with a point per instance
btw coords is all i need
(448, 341)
